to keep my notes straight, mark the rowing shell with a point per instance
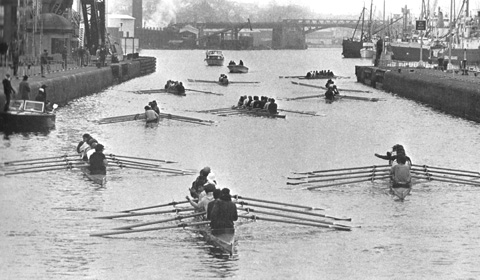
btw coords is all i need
(223, 239)
(401, 193)
(99, 179)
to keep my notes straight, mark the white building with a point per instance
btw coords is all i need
(124, 23)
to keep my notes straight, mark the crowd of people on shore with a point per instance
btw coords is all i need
(322, 73)
(174, 85)
(256, 102)
(92, 153)
(217, 203)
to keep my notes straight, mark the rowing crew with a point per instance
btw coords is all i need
(223, 79)
(332, 90)
(175, 85)
(152, 112)
(216, 203)
(255, 102)
(322, 73)
(400, 171)
(92, 153)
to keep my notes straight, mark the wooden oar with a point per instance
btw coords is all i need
(242, 203)
(374, 170)
(433, 171)
(447, 169)
(306, 97)
(437, 177)
(202, 91)
(336, 179)
(131, 162)
(179, 218)
(173, 203)
(135, 214)
(431, 178)
(162, 170)
(301, 112)
(64, 160)
(38, 159)
(255, 217)
(67, 164)
(181, 225)
(171, 116)
(249, 210)
(342, 169)
(237, 197)
(139, 158)
(67, 167)
(350, 182)
(324, 88)
(213, 110)
(286, 77)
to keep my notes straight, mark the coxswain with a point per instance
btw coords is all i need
(202, 204)
(272, 107)
(330, 81)
(98, 161)
(200, 181)
(151, 115)
(155, 107)
(86, 138)
(224, 212)
(397, 150)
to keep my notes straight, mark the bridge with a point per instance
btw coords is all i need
(289, 33)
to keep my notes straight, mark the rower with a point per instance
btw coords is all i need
(154, 106)
(98, 161)
(86, 138)
(151, 115)
(217, 193)
(400, 172)
(272, 107)
(330, 94)
(224, 212)
(202, 204)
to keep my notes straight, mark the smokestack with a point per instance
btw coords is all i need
(137, 13)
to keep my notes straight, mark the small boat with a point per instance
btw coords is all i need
(220, 83)
(234, 68)
(315, 77)
(368, 50)
(214, 58)
(27, 115)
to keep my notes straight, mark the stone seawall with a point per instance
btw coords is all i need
(452, 93)
(65, 86)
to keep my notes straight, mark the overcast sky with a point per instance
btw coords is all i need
(344, 7)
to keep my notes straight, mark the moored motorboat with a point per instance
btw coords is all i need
(237, 68)
(214, 58)
(368, 50)
(27, 115)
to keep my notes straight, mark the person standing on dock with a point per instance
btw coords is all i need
(98, 161)
(24, 88)
(224, 212)
(43, 62)
(8, 91)
(64, 57)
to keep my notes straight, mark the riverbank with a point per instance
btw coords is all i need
(66, 85)
(450, 92)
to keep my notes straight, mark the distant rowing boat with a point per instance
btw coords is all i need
(256, 112)
(303, 77)
(217, 82)
(237, 68)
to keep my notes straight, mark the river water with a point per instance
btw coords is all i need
(46, 218)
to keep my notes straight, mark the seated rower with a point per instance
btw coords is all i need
(202, 204)
(180, 87)
(154, 106)
(401, 177)
(272, 107)
(330, 94)
(241, 100)
(224, 212)
(98, 161)
(217, 193)
(151, 115)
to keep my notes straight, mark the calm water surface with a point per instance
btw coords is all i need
(46, 218)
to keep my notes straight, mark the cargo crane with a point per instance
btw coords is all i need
(94, 20)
